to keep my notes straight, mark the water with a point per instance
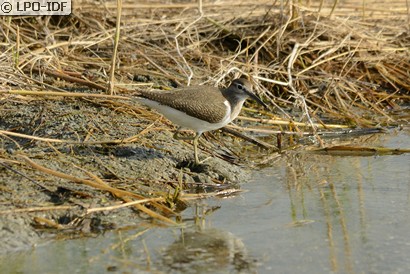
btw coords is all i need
(306, 213)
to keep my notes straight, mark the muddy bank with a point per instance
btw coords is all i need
(153, 164)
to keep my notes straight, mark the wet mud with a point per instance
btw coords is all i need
(153, 163)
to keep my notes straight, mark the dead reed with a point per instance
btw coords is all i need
(320, 64)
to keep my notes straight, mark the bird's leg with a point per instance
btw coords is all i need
(196, 139)
(195, 143)
(179, 137)
(196, 148)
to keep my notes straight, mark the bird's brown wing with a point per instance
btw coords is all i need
(203, 102)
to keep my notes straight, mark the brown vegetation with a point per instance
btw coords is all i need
(319, 65)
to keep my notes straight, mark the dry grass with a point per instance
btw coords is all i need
(316, 62)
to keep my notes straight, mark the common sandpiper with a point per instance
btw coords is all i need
(200, 108)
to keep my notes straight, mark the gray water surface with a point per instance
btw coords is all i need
(304, 214)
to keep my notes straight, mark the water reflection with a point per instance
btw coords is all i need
(302, 178)
(208, 250)
(330, 200)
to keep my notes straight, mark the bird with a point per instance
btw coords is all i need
(200, 108)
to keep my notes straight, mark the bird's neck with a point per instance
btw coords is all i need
(235, 102)
(236, 108)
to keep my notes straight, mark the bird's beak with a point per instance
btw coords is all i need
(257, 99)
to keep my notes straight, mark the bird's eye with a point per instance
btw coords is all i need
(240, 86)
